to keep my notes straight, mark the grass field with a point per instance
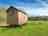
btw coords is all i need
(26, 31)
(33, 28)
(39, 28)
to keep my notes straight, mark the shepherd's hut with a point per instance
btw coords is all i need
(16, 16)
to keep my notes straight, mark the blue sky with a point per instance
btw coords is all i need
(25, 5)
(32, 7)
(40, 7)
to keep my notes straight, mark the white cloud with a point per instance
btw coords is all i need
(40, 12)
(27, 10)
(44, 12)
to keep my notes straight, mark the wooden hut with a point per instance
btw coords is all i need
(16, 16)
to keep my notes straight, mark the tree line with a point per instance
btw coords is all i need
(38, 18)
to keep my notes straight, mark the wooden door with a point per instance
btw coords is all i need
(11, 18)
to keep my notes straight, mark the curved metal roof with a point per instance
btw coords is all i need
(13, 8)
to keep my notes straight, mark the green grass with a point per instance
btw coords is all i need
(39, 28)
(26, 31)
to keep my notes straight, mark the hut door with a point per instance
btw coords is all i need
(11, 18)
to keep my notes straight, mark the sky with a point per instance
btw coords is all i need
(40, 7)
(31, 7)
(25, 5)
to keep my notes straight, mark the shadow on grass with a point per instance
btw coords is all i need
(6, 28)
(11, 27)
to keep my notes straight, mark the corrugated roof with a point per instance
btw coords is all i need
(13, 8)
